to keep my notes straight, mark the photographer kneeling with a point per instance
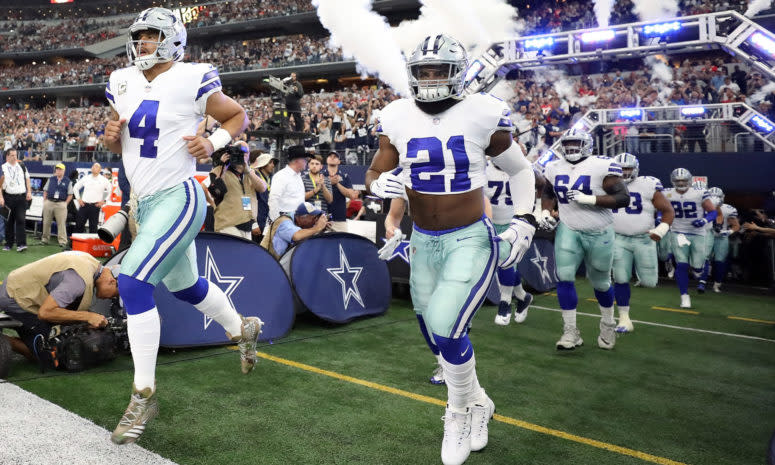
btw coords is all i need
(285, 231)
(233, 187)
(57, 289)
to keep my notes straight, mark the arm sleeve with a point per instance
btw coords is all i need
(70, 289)
(109, 96)
(521, 178)
(209, 84)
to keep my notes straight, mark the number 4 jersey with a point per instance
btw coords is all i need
(638, 217)
(688, 207)
(158, 115)
(444, 153)
(586, 176)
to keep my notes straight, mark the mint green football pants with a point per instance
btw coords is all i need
(639, 250)
(594, 248)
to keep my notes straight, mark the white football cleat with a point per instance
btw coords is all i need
(503, 316)
(625, 325)
(438, 375)
(456, 445)
(717, 287)
(670, 269)
(607, 338)
(520, 314)
(686, 302)
(570, 339)
(480, 417)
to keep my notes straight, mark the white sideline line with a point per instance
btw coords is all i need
(662, 325)
(36, 431)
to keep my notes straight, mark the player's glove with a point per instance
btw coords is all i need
(681, 240)
(717, 227)
(548, 222)
(390, 245)
(388, 185)
(519, 235)
(699, 222)
(582, 198)
(725, 233)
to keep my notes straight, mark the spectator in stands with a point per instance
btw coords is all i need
(293, 101)
(234, 213)
(57, 193)
(293, 227)
(287, 186)
(264, 167)
(342, 189)
(316, 186)
(15, 193)
(355, 208)
(96, 189)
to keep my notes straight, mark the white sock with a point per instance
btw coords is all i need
(438, 359)
(569, 317)
(505, 292)
(608, 314)
(217, 306)
(459, 379)
(624, 312)
(519, 293)
(477, 395)
(144, 330)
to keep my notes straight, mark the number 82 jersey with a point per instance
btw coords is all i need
(444, 153)
(158, 114)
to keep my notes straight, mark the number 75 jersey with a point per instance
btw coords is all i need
(158, 114)
(443, 153)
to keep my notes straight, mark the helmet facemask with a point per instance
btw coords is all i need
(681, 185)
(135, 45)
(573, 150)
(161, 27)
(431, 82)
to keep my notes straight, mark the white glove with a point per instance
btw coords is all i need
(582, 198)
(519, 235)
(725, 233)
(681, 240)
(548, 222)
(390, 245)
(388, 185)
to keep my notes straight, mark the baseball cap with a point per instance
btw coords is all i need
(306, 208)
(60, 166)
(335, 153)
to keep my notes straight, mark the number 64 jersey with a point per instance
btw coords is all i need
(638, 217)
(444, 153)
(158, 114)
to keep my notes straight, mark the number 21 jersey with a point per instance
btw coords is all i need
(443, 153)
(158, 114)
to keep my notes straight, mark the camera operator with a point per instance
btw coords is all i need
(233, 186)
(317, 187)
(293, 101)
(306, 222)
(56, 289)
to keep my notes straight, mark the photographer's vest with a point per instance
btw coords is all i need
(27, 285)
(267, 241)
(230, 212)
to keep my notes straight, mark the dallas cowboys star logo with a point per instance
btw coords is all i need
(350, 280)
(540, 262)
(401, 250)
(213, 274)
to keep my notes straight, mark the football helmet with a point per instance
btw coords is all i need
(575, 145)
(716, 192)
(169, 44)
(448, 57)
(681, 179)
(628, 161)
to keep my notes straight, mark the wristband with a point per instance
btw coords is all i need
(219, 139)
(661, 230)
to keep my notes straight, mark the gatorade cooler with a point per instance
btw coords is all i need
(91, 244)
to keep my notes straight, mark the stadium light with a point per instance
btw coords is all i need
(763, 42)
(539, 44)
(661, 28)
(630, 113)
(762, 124)
(693, 111)
(597, 36)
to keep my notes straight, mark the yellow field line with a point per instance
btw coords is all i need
(753, 320)
(590, 299)
(511, 421)
(676, 310)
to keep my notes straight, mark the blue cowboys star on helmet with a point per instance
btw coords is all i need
(169, 45)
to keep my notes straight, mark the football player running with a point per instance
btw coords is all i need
(586, 189)
(725, 225)
(636, 237)
(701, 280)
(158, 102)
(439, 139)
(693, 211)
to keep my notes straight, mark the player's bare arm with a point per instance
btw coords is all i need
(668, 214)
(617, 195)
(113, 132)
(393, 218)
(233, 119)
(386, 159)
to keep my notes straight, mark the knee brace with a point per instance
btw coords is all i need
(455, 351)
(137, 295)
(195, 293)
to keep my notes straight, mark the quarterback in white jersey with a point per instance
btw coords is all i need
(586, 188)
(636, 236)
(157, 105)
(439, 140)
(693, 211)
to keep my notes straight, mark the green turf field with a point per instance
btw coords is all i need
(358, 394)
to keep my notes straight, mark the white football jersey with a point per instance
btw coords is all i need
(638, 217)
(729, 212)
(585, 176)
(688, 208)
(444, 153)
(158, 114)
(498, 191)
